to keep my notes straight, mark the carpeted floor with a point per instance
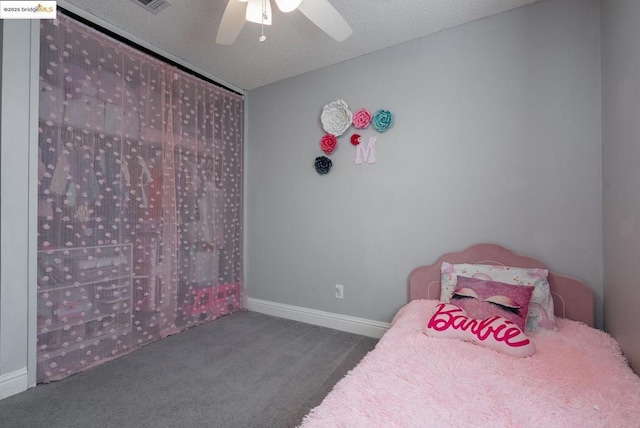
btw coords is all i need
(243, 370)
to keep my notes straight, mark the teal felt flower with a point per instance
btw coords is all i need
(382, 120)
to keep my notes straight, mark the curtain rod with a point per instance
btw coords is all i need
(143, 49)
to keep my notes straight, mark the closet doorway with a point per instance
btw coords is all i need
(139, 199)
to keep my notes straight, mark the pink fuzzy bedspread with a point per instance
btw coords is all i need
(577, 378)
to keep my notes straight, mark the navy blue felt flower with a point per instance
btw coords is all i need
(323, 165)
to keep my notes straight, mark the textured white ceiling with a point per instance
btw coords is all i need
(294, 45)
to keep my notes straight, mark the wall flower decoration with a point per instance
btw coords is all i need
(355, 139)
(328, 143)
(336, 117)
(361, 118)
(382, 120)
(323, 165)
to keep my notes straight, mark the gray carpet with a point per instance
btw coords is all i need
(242, 370)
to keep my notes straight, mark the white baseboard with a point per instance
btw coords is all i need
(13, 382)
(340, 322)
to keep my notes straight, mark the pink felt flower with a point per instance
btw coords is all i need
(328, 143)
(361, 118)
(355, 139)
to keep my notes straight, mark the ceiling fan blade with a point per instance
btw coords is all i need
(325, 16)
(232, 22)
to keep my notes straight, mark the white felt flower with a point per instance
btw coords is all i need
(336, 117)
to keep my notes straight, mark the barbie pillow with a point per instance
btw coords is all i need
(497, 333)
(540, 316)
(482, 299)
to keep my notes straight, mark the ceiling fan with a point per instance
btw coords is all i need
(320, 12)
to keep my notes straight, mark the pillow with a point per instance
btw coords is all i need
(540, 316)
(497, 333)
(482, 299)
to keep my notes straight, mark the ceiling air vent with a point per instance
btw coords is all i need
(153, 6)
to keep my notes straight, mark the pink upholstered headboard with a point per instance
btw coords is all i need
(571, 298)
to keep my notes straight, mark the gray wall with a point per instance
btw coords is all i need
(621, 171)
(497, 139)
(14, 203)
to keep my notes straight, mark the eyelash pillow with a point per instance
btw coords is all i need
(497, 333)
(540, 315)
(482, 299)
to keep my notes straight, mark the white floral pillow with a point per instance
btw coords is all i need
(540, 314)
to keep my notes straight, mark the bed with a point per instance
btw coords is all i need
(577, 375)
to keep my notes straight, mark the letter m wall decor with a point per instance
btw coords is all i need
(366, 153)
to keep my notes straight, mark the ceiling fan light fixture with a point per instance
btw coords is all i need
(255, 9)
(320, 12)
(287, 6)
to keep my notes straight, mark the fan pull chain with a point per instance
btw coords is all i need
(262, 38)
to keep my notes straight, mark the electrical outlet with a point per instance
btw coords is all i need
(339, 291)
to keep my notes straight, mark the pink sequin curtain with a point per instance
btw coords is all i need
(140, 199)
